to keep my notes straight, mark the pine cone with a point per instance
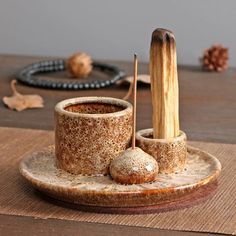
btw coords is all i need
(216, 58)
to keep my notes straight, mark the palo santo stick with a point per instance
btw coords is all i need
(164, 85)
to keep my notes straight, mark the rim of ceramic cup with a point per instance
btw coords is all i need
(141, 134)
(60, 107)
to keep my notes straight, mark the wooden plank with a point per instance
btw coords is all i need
(207, 101)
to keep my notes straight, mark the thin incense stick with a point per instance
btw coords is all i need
(134, 98)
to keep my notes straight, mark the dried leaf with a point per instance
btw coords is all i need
(129, 93)
(21, 102)
(141, 78)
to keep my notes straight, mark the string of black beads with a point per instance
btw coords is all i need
(27, 76)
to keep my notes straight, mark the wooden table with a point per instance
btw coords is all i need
(207, 113)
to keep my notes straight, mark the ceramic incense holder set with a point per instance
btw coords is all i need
(91, 133)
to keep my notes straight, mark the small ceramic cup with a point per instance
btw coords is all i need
(90, 132)
(170, 153)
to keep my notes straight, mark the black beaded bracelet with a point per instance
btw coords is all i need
(27, 76)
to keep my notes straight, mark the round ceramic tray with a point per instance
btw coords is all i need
(40, 171)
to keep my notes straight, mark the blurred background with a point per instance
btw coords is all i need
(108, 29)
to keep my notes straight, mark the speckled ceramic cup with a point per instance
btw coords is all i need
(170, 153)
(90, 132)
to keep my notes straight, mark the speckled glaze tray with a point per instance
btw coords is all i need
(39, 170)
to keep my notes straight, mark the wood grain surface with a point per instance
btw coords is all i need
(207, 100)
(18, 198)
(207, 113)
(164, 85)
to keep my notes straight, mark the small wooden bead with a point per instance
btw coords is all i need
(79, 65)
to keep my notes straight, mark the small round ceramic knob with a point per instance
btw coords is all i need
(134, 166)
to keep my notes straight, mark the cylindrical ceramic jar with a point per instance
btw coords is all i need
(170, 153)
(90, 132)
